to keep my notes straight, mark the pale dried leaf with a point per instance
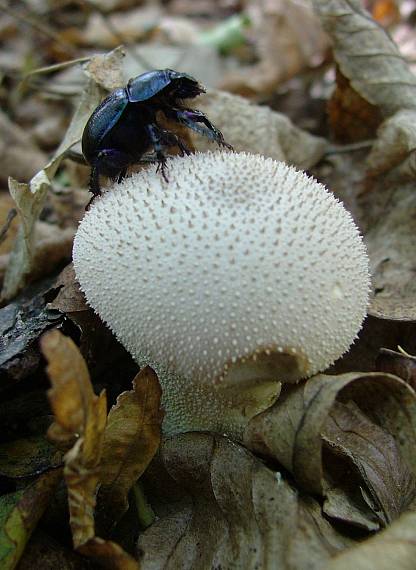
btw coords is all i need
(106, 71)
(131, 439)
(367, 56)
(347, 507)
(30, 198)
(395, 146)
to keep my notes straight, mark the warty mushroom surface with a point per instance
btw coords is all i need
(214, 278)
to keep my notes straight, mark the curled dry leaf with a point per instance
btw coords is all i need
(390, 485)
(20, 513)
(258, 130)
(30, 198)
(395, 146)
(292, 432)
(394, 547)
(131, 439)
(220, 507)
(400, 363)
(114, 456)
(78, 412)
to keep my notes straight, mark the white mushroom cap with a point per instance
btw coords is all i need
(209, 277)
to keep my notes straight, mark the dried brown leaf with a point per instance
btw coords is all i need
(291, 430)
(395, 146)
(375, 454)
(78, 411)
(399, 363)
(394, 547)
(220, 507)
(131, 439)
(69, 299)
(371, 62)
(71, 395)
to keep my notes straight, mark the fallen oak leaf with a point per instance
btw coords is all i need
(131, 439)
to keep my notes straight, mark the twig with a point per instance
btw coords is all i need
(349, 147)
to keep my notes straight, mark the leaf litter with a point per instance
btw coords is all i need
(336, 449)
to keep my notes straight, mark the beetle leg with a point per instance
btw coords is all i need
(193, 119)
(95, 181)
(121, 175)
(156, 137)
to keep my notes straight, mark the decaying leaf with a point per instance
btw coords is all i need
(220, 507)
(394, 547)
(395, 146)
(20, 513)
(111, 455)
(292, 430)
(131, 439)
(390, 486)
(78, 411)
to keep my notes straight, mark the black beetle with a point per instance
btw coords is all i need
(123, 127)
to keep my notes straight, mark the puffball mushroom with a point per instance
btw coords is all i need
(214, 277)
